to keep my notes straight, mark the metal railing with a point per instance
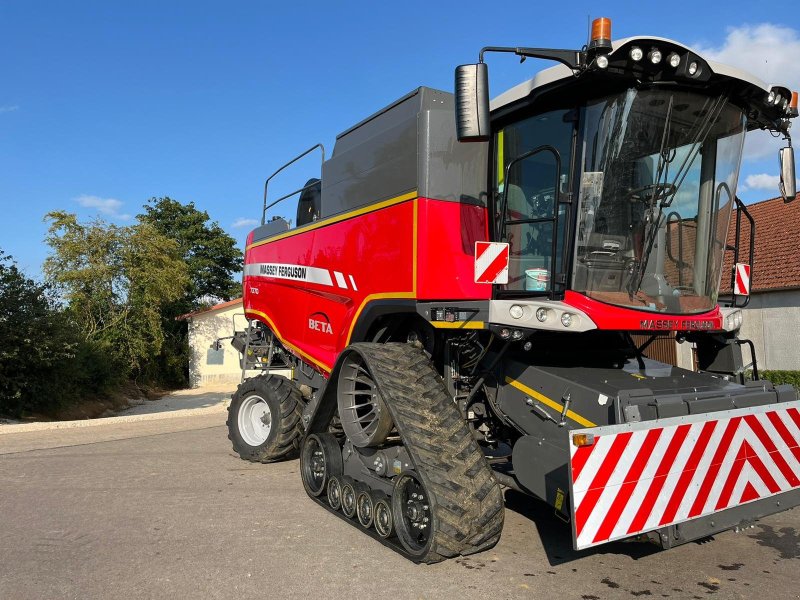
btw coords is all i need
(290, 194)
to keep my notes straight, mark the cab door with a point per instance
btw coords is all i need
(533, 168)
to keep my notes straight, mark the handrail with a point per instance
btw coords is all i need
(294, 160)
(301, 190)
(504, 221)
(741, 209)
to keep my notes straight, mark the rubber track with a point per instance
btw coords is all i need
(291, 423)
(468, 505)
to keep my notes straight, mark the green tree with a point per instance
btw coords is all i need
(116, 282)
(213, 261)
(44, 363)
(210, 253)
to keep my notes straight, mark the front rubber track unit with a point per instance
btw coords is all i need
(284, 399)
(468, 507)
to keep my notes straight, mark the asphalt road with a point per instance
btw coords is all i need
(161, 509)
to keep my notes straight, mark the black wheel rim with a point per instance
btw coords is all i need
(314, 465)
(348, 500)
(365, 509)
(334, 493)
(413, 518)
(383, 518)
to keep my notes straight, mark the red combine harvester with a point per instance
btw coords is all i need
(466, 298)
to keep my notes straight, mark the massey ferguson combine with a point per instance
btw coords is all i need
(466, 298)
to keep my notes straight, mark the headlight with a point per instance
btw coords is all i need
(516, 311)
(541, 315)
(602, 61)
(654, 55)
(693, 66)
(566, 319)
(636, 54)
(674, 60)
(733, 320)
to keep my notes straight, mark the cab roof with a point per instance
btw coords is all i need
(562, 72)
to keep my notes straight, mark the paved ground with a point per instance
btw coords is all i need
(162, 508)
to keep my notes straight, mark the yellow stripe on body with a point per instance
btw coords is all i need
(369, 298)
(458, 325)
(338, 218)
(501, 171)
(548, 402)
(283, 341)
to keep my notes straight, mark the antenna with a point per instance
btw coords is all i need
(588, 28)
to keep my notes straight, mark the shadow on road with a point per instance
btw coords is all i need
(556, 535)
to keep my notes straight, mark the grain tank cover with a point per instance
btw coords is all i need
(409, 145)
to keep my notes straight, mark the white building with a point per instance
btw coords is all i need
(208, 366)
(772, 318)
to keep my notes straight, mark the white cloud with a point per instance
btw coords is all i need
(8, 108)
(762, 181)
(106, 206)
(242, 222)
(770, 53)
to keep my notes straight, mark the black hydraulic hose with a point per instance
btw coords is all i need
(508, 481)
(489, 369)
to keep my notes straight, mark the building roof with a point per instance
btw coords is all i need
(776, 264)
(216, 307)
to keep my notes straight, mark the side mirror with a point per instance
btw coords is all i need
(788, 186)
(472, 103)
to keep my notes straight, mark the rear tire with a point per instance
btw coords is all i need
(264, 419)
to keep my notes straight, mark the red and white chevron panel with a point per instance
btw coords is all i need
(639, 477)
(741, 284)
(491, 262)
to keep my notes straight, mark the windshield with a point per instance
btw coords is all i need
(656, 192)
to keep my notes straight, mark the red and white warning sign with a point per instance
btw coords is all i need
(638, 477)
(741, 286)
(491, 262)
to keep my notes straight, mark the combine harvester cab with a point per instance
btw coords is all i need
(468, 295)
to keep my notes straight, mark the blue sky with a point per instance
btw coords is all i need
(106, 104)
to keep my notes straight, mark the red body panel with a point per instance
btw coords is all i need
(417, 248)
(608, 316)
(446, 261)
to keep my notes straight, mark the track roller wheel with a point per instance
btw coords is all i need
(413, 517)
(335, 493)
(320, 459)
(383, 521)
(349, 498)
(365, 508)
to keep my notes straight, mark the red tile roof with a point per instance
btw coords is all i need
(216, 307)
(776, 265)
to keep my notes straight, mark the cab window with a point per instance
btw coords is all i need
(532, 170)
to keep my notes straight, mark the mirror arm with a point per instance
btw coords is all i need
(574, 59)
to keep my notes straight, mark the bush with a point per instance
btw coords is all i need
(779, 377)
(45, 363)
